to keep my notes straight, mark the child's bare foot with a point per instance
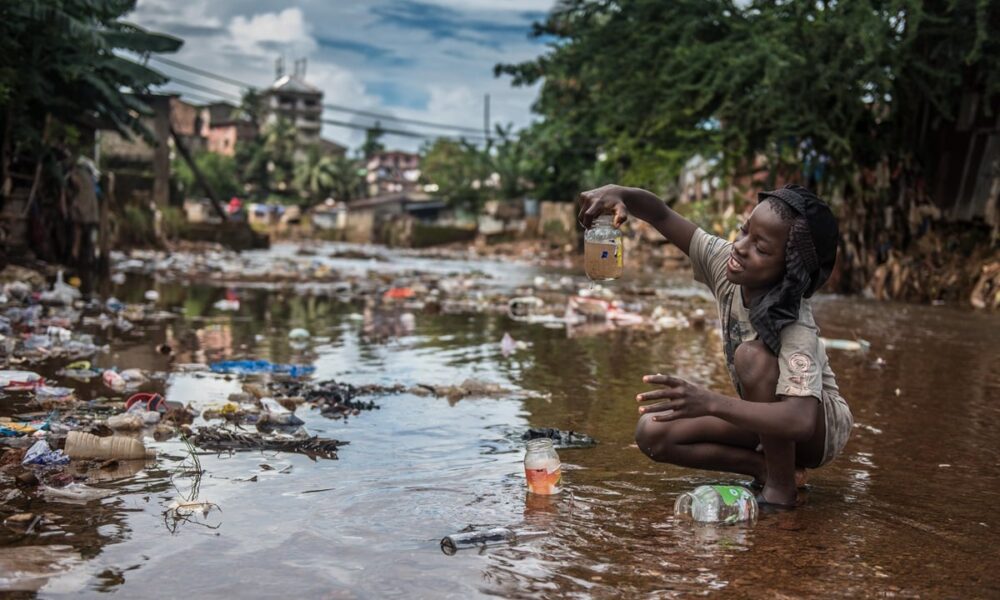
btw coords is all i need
(801, 479)
(771, 497)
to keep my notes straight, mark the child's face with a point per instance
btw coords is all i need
(758, 257)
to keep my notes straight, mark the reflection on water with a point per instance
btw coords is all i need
(905, 511)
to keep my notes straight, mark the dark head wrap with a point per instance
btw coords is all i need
(809, 258)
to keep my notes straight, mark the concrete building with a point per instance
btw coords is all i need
(290, 97)
(392, 172)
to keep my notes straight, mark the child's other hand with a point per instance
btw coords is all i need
(606, 200)
(681, 399)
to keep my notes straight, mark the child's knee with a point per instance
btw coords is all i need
(654, 439)
(756, 366)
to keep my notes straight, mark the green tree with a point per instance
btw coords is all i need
(508, 159)
(828, 93)
(220, 172)
(70, 62)
(373, 141)
(269, 159)
(459, 169)
(324, 175)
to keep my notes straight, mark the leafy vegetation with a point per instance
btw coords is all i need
(69, 62)
(838, 95)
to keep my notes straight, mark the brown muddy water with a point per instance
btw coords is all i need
(907, 510)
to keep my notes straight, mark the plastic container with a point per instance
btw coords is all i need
(726, 504)
(86, 445)
(542, 467)
(603, 251)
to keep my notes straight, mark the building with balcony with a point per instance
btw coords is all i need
(290, 97)
(392, 172)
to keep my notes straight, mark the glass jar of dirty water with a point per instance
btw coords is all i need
(603, 253)
(542, 467)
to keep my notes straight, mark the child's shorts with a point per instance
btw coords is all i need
(839, 423)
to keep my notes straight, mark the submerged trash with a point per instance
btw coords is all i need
(476, 539)
(86, 445)
(252, 367)
(298, 334)
(183, 508)
(41, 454)
(560, 439)
(125, 422)
(275, 414)
(74, 493)
(18, 379)
(726, 504)
(481, 538)
(218, 440)
(114, 381)
(542, 467)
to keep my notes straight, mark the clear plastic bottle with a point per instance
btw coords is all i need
(476, 539)
(717, 504)
(603, 252)
(542, 467)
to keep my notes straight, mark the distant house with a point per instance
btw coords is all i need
(367, 217)
(186, 122)
(329, 215)
(392, 172)
(331, 148)
(225, 137)
(223, 130)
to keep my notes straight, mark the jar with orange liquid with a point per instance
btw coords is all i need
(542, 467)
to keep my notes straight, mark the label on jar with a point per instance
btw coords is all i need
(545, 478)
(731, 495)
(603, 260)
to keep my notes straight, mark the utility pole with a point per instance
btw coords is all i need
(486, 117)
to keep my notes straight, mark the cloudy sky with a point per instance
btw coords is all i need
(430, 60)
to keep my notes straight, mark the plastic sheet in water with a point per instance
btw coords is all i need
(252, 367)
(41, 454)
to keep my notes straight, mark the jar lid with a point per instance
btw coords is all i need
(539, 444)
(604, 220)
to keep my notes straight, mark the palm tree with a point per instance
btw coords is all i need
(322, 175)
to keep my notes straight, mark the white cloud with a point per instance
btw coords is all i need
(495, 6)
(286, 30)
(241, 40)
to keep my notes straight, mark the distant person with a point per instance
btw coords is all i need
(789, 414)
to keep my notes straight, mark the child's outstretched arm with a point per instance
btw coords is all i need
(622, 201)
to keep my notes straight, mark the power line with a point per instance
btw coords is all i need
(203, 88)
(401, 132)
(334, 107)
(202, 72)
(359, 126)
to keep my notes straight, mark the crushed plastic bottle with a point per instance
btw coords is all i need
(276, 414)
(726, 504)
